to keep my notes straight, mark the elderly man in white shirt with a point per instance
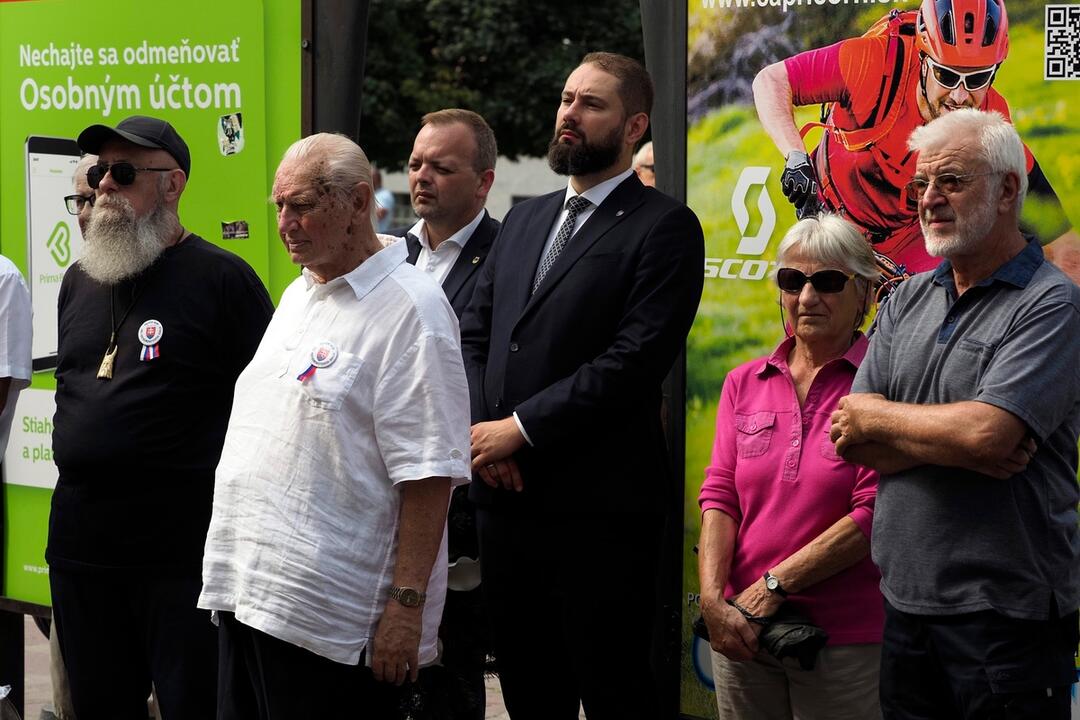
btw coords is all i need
(326, 554)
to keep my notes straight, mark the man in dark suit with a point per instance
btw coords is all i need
(451, 170)
(577, 317)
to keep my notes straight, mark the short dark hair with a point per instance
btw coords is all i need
(486, 149)
(635, 85)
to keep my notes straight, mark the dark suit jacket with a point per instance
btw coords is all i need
(582, 360)
(461, 281)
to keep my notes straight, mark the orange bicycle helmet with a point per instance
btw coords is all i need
(963, 33)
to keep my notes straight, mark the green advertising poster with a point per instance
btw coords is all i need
(733, 184)
(64, 65)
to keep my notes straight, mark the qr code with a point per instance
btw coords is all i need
(1062, 42)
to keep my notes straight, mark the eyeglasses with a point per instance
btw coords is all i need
(76, 203)
(946, 184)
(791, 280)
(950, 79)
(122, 172)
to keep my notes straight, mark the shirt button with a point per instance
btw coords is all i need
(806, 420)
(791, 463)
(950, 319)
(513, 347)
(795, 443)
(753, 426)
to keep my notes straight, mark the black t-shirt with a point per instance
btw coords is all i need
(137, 453)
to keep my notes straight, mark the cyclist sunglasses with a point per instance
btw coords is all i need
(950, 79)
(122, 172)
(946, 184)
(791, 280)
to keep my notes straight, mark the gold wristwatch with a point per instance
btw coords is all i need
(407, 596)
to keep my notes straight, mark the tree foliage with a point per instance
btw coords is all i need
(505, 59)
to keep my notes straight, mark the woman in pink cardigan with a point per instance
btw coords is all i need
(784, 519)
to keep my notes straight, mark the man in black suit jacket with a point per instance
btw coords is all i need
(451, 170)
(578, 315)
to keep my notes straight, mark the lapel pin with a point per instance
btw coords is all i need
(475, 260)
(150, 333)
(619, 214)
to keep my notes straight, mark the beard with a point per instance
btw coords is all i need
(584, 157)
(968, 234)
(120, 245)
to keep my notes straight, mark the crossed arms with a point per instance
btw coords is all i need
(891, 437)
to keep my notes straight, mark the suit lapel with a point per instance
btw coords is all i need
(615, 208)
(470, 258)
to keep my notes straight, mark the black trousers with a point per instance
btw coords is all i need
(121, 632)
(976, 666)
(263, 678)
(573, 606)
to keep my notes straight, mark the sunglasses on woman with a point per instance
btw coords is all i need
(791, 280)
(950, 79)
(122, 172)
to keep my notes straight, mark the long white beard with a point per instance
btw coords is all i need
(119, 245)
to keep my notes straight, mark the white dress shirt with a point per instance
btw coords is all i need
(438, 262)
(303, 540)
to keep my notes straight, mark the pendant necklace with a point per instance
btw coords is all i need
(105, 372)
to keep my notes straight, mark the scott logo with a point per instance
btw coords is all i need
(59, 244)
(753, 244)
(742, 268)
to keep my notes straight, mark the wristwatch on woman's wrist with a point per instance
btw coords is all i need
(772, 584)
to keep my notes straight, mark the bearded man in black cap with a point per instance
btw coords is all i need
(155, 324)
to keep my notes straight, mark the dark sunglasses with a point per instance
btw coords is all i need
(791, 280)
(946, 184)
(76, 203)
(950, 79)
(122, 172)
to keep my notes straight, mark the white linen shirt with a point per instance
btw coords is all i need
(303, 539)
(16, 331)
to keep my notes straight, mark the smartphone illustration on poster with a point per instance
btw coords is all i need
(53, 238)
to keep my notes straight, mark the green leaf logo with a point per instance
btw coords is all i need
(59, 244)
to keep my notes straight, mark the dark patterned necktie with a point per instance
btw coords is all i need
(574, 206)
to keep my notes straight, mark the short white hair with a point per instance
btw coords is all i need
(996, 141)
(639, 156)
(831, 240)
(337, 164)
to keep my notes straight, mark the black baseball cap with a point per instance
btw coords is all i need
(143, 131)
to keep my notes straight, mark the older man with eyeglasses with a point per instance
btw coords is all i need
(968, 404)
(155, 324)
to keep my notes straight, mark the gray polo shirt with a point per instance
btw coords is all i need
(949, 540)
